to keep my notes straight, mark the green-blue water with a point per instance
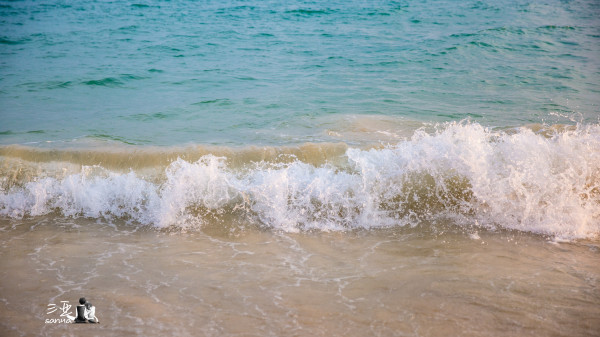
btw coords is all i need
(301, 168)
(275, 72)
(301, 115)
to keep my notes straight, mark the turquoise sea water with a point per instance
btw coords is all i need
(273, 72)
(301, 168)
(304, 115)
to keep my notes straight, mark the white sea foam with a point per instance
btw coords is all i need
(464, 173)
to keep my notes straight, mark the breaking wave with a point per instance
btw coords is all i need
(539, 181)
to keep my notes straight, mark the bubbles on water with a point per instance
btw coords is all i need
(463, 173)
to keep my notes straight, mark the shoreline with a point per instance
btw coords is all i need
(156, 282)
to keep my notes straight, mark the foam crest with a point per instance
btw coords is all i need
(94, 193)
(196, 191)
(550, 186)
(522, 180)
(462, 173)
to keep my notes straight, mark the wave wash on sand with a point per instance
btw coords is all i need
(534, 181)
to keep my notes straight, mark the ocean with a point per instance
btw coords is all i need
(300, 168)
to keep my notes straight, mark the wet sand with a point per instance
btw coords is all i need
(253, 282)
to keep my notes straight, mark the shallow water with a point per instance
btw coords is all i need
(252, 168)
(401, 281)
(462, 231)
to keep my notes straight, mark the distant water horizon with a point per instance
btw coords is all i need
(234, 73)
